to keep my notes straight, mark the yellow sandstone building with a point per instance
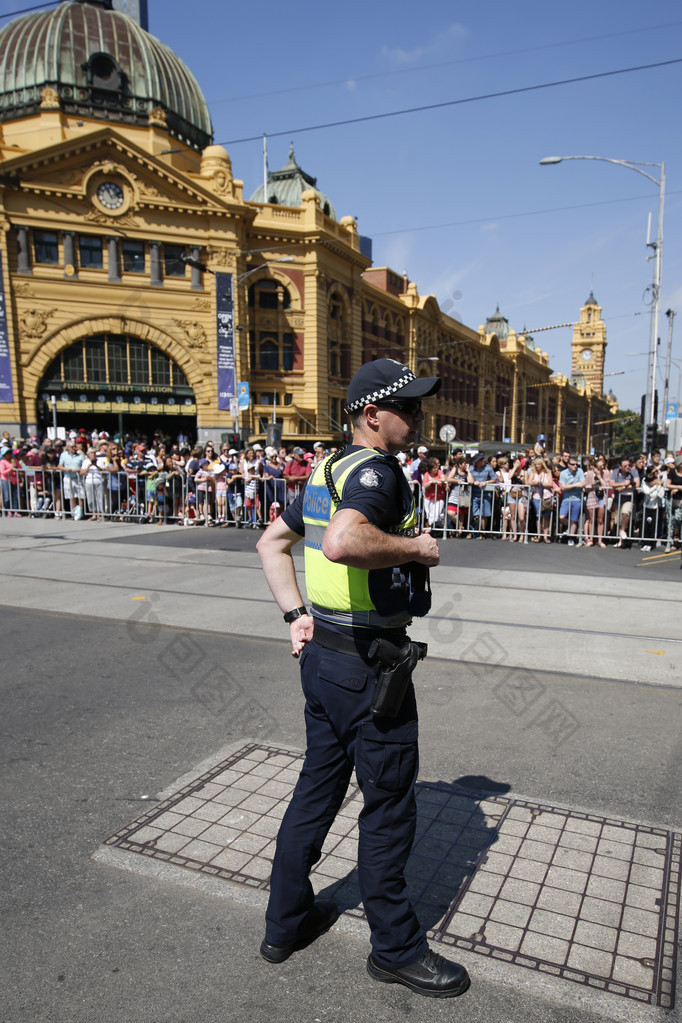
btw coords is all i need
(142, 293)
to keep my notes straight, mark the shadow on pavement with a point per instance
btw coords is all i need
(453, 835)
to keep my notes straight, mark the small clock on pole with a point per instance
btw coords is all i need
(447, 433)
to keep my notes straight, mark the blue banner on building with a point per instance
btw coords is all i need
(6, 386)
(225, 330)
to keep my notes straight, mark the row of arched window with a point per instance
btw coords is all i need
(389, 326)
(272, 346)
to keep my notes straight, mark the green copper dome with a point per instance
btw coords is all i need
(497, 324)
(286, 186)
(101, 64)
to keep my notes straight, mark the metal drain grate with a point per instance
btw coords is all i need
(586, 898)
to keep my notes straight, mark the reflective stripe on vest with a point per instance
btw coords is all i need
(334, 587)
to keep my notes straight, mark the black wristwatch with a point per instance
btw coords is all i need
(297, 612)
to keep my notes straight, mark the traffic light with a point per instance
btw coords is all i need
(654, 411)
(651, 437)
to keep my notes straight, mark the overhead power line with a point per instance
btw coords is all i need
(512, 216)
(442, 64)
(452, 102)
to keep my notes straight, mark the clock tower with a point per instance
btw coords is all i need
(588, 348)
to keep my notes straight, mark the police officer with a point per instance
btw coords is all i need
(366, 572)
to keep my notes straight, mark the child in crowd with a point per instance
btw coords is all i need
(219, 468)
(252, 471)
(204, 483)
(190, 510)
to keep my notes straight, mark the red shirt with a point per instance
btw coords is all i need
(298, 469)
(434, 491)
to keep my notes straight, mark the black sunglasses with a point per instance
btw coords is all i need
(408, 406)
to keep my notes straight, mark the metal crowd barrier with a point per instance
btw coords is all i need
(242, 504)
(454, 510)
(516, 513)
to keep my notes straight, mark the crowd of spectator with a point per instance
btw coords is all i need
(536, 497)
(525, 496)
(93, 476)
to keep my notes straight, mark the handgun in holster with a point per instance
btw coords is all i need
(397, 664)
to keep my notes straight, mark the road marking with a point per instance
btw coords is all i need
(660, 652)
(138, 598)
(657, 557)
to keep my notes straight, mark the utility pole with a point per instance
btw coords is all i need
(671, 316)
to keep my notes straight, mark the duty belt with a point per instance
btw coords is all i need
(364, 619)
(349, 644)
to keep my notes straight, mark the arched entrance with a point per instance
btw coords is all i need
(117, 383)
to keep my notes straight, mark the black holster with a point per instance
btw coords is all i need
(396, 664)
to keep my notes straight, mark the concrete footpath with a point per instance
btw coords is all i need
(152, 732)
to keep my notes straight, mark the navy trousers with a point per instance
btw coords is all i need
(342, 734)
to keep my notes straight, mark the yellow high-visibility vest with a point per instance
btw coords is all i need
(342, 588)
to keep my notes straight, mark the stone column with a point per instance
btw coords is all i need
(23, 252)
(69, 254)
(195, 254)
(114, 270)
(156, 280)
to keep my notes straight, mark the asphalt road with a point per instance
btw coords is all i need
(555, 558)
(94, 720)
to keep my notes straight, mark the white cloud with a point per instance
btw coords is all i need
(446, 38)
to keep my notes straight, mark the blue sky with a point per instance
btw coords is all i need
(456, 195)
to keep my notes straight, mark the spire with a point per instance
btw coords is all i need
(497, 324)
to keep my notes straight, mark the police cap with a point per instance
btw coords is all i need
(384, 379)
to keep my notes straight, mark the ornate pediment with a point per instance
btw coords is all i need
(68, 169)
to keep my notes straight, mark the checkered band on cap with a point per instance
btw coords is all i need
(384, 392)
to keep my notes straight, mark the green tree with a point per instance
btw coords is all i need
(627, 433)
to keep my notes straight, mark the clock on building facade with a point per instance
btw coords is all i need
(110, 195)
(588, 348)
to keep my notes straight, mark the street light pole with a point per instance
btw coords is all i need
(657, 257)
(510, 408)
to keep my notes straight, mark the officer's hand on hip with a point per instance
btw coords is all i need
(427, 550)
(301, 632)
